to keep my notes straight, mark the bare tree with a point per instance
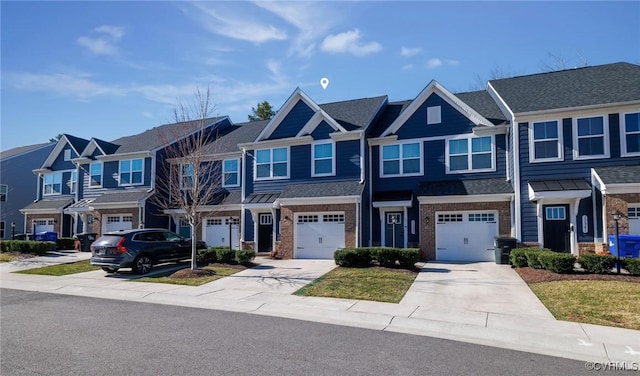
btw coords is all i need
(188, 179)
(559, 62)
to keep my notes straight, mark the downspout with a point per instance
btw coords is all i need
(358, 218)
(516, 176)
(362, 165)
(370, 200)
(243, 179)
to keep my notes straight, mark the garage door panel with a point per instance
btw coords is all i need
(318, 235)
(117, 222)
(634, 219)
(466, 236)
(216, 232)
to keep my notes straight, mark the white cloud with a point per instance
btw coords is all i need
(409, 52)
(310, 19)
(349, 42)
(236, 27)
(105, 42)
(147, 114)
(78, 85)
(434, 63)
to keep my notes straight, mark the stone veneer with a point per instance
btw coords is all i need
(620, 203)
(284, 248)
(428, 230)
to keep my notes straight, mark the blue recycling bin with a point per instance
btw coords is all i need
(47, 236)
(629, 245)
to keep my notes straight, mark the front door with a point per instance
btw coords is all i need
(265, 232)
(556, 227)
(393, 230)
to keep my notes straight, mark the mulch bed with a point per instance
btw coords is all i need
(531, 275)
(21, 255)
(201, 272)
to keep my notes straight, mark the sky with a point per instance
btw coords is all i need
(116, 68)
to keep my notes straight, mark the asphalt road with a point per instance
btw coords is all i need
(49, 334)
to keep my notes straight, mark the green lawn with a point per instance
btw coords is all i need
(62, 269)
(610, 303)
(6, 257)
(221, 271)
(377, 284)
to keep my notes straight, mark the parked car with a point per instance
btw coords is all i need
(139, 249)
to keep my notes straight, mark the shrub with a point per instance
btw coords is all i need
(65, 243)
(600, 264)
(224, 255)
(532, 256)
(352, 257)
(206, 256)
(518, 258)
(632, 265)
(245, 256)
(386, 256)
(409, 257)
(27, 246)
(557, 262)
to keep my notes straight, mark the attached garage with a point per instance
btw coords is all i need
(44, 225)
(466, 235)
(318, 235)
(216, 231)
(116, 222)
(634, 219)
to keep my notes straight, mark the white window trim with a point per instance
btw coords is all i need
(434, 112)
(271, 177)
(470, 155)
(101, 175)
(532, 141)
(333, 159)
(623, 136)
(73, 183)
(237, 172)
(130, 172)
(44, 184)
(400, 174)
(182, 176)
(67, 154)
(605, 132)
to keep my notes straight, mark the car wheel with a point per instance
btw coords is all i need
(142, 265)
(109, 270)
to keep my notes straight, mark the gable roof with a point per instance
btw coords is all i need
(156, 137)
(588, 86)
(23, 150)
(482, 102)
(435, 87)
(77, 144)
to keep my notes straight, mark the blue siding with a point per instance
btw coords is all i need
(567, 169)
(347, 168)
(60, 164)
(293, 121)
(453, 122)
(248, 226)
(322, 131)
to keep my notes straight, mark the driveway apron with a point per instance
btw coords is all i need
(474, 289)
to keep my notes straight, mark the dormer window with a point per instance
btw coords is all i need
(434, 115)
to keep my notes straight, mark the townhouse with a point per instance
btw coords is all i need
(545, 158)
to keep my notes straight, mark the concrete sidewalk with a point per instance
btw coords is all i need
(480, 303)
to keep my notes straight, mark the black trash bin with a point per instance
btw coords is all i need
(85, 239)
(503, 246)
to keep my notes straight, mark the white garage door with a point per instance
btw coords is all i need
(466, 236)
(43, 225)
(216, 232)
(318, 235)
(116, 222)
(634, 219)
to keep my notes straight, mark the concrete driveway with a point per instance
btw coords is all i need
(470, 291)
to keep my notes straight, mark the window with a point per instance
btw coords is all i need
(545, 141)
(482, 217)
(434, 115)
(449, 218)
(3, 192)
(230, 173)
(337, 218)
(322, 164)
(234, 221)
(473, 154)
(186, 176)
(394, 219)
(131, 171)
(73, 182)
(591, 138)
(402, 159)
(67, 154)
(272, 163)
(53, 184)
(266, 219)
(555, 213)
(2, 229)
(214, 222)
(633, 212)
(307, 218)
(630, 134)
(95, 171)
